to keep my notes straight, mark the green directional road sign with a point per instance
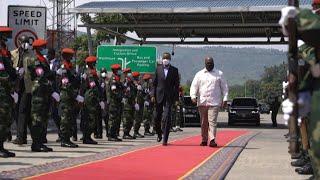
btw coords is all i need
(138, 58)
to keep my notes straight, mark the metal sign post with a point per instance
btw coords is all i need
(293, 81)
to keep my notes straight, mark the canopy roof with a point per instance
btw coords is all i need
(194, 18)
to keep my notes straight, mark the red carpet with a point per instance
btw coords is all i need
(158, 162)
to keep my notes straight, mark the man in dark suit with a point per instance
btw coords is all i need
(165, 92)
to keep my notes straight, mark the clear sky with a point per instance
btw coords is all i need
(4, 4)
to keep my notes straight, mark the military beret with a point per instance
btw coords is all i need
(116, 67)
(127, 70)
(316, 2)
(67, 51)
(135, 74)
(91, 59)
(39, 43)
(5, 29)
(146, 76)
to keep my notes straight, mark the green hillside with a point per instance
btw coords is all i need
(236, 63)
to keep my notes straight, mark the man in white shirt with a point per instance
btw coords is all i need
(209, 90)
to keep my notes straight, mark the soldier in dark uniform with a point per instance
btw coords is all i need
(103, 81)
(274, 107)
(42, 92)
(139, 105)
(114, 98)
(7, 94)
(148, 105)
(92, 99)
(128, 101)
(68, 84)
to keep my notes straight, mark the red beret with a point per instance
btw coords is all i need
(135, 74)
(67, 51)
(146, 76)
(127, 70)
(5, 29)
(91, 59)
(116, 67)
(316, 2)
(39, 43)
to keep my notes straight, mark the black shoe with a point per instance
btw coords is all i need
(116, 139)
(148, 133)
(74, 138)
(10, 154)
(213, 143)
(164, 144)
(306, 170)
(58, 140)
(159, 139)
(296, 156)
(69, 144)
(89, 141)
(204, 143)
(3, 154)
(19, 142)
(98, 136)
(47, 148)
(38, 148)
(274, 125)
(138, 135)
(128, 136)
(299, 163)
(179, 129)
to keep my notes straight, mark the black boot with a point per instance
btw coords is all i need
(36, 147)
(116, 139)
(127, 136)
(68, 144)
(19, 141)
(138, 135)
(88, 140)
(299, 163)
(5, 153)
(307, 169)
(148, 133)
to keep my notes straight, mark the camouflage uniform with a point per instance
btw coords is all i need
(41, 97)
(7, 75)
(128, 107)
(114, 98)
(69, 86)
(148, 108)
(139, 102)
(92, 109)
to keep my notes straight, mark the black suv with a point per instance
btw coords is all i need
(190, 112)
(244, 110)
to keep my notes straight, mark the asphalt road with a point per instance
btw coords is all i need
(265, 157)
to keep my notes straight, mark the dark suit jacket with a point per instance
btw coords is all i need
(166, 87)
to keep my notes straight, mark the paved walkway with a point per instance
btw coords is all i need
(265, 156)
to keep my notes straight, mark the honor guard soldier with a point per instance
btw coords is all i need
(42, 93)
(114, 98)
(7, 94)
(148, 106)
(139, 105)
(92, 99)
(68, 85)
(128, 101)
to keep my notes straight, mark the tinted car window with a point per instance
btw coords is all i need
(244, 102)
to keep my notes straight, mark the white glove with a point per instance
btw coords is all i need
(146, 103)
(61, 71)
(136, 107)
(15, 97)
(103, 85)
(287, 106)
(102, 105)
(113, 87)
(84, 76)
(286, 13)
(139, 87)
(299, 121)
(56, 96)
(21, 71)
(80, 99)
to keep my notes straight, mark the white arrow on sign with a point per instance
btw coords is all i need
(124, 62)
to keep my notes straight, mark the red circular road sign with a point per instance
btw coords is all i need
(32, 36)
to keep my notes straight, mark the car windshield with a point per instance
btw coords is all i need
(244, 102)
(187, 101)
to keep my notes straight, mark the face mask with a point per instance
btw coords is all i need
(25, 46)
(166, 62)
(103, 75)
(44, 52)
(129, 75)
(119, 73)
